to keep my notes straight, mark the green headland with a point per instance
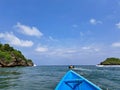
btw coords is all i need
(10, 57)
(111, 61)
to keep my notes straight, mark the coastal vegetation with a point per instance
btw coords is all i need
(111, 61)
(10, 57)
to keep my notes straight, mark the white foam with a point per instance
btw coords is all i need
(108, 65)
(34, 65)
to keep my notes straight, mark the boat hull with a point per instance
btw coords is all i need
(74, 81)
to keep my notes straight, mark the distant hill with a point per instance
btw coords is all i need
(111, 61)
(10, 57)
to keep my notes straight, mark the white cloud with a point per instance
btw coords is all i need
(90, 48)
(81, 34)
(41, 49)
(116, 44)
(94, 21)
(12, 39)
(71, 51)
(66, 52)
(62, 52)
(27, 30)
(118, 25)
(74, 25)
(52, 39)
(86, 48)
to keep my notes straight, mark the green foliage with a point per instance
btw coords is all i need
(29, 60)
(111, 61)
(6, 47)
(0, 46)
(18, 54)
(5, 56)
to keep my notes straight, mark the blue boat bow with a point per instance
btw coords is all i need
(74, 81)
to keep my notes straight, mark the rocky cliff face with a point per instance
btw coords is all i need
(10, 57)
(15, 62)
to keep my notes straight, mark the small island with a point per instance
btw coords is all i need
(111, 61)
(10, 57)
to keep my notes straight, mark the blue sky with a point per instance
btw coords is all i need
(62, 32)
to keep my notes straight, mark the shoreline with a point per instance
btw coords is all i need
(107, 65)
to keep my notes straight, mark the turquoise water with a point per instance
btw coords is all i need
(47, 77)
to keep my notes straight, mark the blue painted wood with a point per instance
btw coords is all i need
(74, 81)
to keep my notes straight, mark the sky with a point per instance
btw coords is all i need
(62, 32)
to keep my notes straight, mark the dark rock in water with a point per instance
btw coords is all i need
(10, 57)
(71, 67)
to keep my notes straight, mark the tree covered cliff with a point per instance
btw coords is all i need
(10, 57)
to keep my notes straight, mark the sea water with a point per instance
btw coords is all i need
(47, 77)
